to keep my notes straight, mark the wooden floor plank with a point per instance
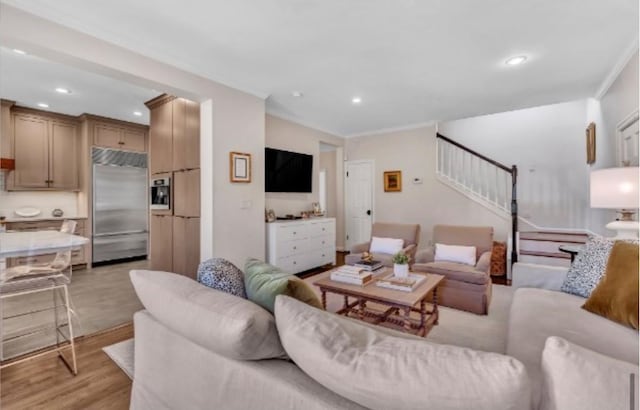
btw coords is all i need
(45, 383)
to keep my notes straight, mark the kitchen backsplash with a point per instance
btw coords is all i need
(45, 201)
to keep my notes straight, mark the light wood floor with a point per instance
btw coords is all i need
(45, 382)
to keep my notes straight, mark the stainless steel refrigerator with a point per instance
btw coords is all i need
(120, 207)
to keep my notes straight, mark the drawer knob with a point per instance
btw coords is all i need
(295, 247)
(323, 255)
(294, 232)
(294, 262)
(323, 229)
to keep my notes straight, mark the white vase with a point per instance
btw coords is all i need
(401, 271)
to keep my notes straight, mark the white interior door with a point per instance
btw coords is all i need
(358, 188)
(628, 142)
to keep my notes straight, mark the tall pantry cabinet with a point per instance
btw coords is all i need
(174, 152)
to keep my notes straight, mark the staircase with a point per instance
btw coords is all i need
(482, 179)
(542, 247)
(493, 185)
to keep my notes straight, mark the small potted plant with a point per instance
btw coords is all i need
(401, 265)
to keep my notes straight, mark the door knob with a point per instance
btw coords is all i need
(369, 212)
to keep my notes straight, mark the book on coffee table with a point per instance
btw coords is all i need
(370, 266)
(361, 279)
(404, 284)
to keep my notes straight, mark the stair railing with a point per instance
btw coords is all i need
(482, 177)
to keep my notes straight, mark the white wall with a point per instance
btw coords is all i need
(236, 122)
(429, 203)
(290, 136)
(547, 144)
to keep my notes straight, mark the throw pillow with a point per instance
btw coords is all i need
(579, 378)
(616, 296)
(263, 282)
(588, 267)
(381, 371)
(388, 246)
(453, 253)
(223, 323)
(220, 274)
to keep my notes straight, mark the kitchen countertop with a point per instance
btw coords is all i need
(16, 244)
(41, 218)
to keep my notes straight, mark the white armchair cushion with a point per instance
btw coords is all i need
(389, 246)
(454, 253)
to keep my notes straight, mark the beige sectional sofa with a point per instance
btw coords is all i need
(197, 348)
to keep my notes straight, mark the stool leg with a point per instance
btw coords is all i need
(72, 341)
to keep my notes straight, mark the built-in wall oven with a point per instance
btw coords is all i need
(160, 193)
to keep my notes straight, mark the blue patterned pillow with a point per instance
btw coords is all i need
(589, 267)
(220, 274)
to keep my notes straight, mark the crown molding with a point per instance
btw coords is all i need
(290, 118)
(380, 131)
(622, 62)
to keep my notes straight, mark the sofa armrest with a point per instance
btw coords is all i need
(361, 247)
(529, 275)
(484, 262)
(425, 255)
(410, 251)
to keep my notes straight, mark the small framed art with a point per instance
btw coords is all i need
(239, 167)
(393, 181)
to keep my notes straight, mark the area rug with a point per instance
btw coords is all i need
(455, 327)
(122, 354)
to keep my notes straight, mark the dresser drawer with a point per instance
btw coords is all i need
(292, 232)
(324, 256)
(322, 228)
(31, 260)
(320, 242)
(293, 264)
(290, 248)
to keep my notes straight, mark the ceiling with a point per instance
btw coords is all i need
(30, 80)
(411, 61)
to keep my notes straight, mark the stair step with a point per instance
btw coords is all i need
(560, 255)
(579, 238)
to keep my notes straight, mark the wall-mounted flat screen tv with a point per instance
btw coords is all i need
(287, 171)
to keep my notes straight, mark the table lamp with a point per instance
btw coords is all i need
(617, 188)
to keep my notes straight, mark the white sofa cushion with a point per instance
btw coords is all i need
(537, 314)
(218, 321)
(454, 253)
(381, 371)
(389, 246)
(579, 378)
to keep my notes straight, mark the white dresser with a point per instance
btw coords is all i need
(299, 245)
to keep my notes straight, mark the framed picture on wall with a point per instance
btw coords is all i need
(393, 181)
(239, 167)
(591, 143)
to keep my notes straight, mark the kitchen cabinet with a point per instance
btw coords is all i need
(186, 135)
(161, 139)
(186, 246)
(46, 153)
(174, 151)
(161, 243)
(186, 188)
(117, 135)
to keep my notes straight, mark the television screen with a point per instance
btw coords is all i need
(287, 171)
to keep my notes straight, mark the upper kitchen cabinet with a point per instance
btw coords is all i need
(186, 135)
(118, 134)
(45, 150)
(174, 141)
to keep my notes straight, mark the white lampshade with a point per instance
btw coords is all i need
(615, 188)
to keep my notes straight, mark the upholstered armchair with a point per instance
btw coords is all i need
(409, 233)
(465, 287)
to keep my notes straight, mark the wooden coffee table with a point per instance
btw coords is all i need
(399, 304)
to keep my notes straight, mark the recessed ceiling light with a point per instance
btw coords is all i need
(43, 105)
(516, 60)
(356, 100)
(297, 94)
(18, 51)
(137, 113)
(63, 90)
